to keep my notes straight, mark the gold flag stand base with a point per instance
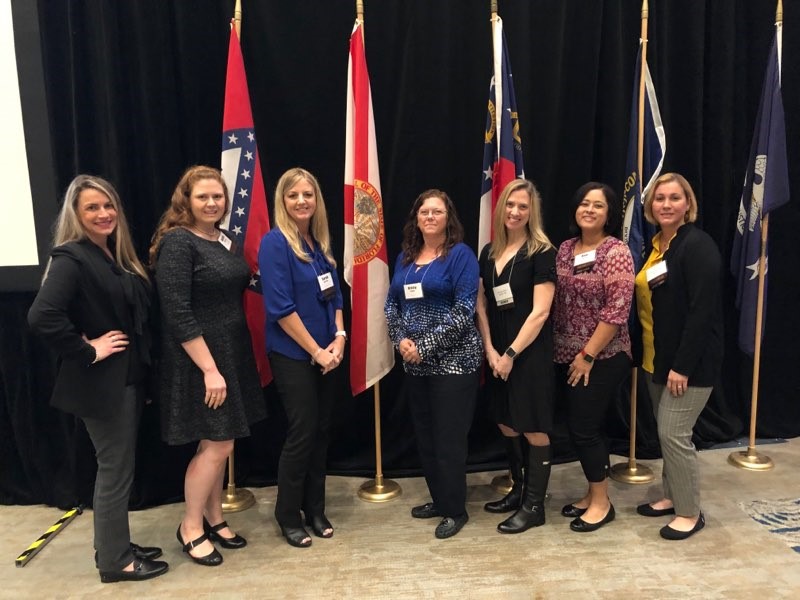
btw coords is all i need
(234, 500)
(379, 490)
(502, 483)
(751, 460)
(630, 472)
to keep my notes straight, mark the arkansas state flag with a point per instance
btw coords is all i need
(366, 267)
(502, 150)
(766, 187)
(248, 219)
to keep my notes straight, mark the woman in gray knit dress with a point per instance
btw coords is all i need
(209, 384)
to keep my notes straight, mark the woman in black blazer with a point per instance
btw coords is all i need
(92, 310)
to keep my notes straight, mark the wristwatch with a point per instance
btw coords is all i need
(510, 353)
(587, 357)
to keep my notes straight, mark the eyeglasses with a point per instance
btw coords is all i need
(436, 212)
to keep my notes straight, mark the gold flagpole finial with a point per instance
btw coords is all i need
(360, 10)
(237, 18)
(646, 10)
(493, 7)
(779, 12)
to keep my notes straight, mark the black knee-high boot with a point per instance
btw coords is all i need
(516, 463)
(537, 475)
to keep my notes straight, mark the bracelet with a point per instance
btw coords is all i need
(319, 349)
(341, 333)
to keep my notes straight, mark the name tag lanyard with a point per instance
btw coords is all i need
(413, 291)
(324, 280)
(503, 297)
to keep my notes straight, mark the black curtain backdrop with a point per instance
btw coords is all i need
(135, 93)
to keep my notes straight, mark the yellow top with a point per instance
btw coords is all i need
(644, 304)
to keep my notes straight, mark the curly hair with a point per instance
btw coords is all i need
(412, 236)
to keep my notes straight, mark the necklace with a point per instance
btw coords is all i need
(209, 236)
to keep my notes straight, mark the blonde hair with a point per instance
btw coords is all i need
(179, 212)
(68, 227)
(537, 238)
(691, 214)
(319, 221)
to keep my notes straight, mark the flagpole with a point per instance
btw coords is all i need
(378, 489)
(750, 459)
(234, 500)
(630, 472)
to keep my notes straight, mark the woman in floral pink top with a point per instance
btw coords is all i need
(592, 345)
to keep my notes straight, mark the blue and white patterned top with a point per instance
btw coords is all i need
(442, 323)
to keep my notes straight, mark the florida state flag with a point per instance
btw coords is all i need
(248, 219)
(366, 268)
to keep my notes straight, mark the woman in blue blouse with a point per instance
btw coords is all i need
(305, 340)
(430, 311)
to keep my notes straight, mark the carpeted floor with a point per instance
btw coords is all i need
(379, 552)
(781, 517)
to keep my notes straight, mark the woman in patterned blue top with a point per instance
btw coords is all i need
(430, 311)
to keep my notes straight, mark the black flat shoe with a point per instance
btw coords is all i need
(425, 511)
(668, 533)
(142, 569)
(212, 559)
(572, 511)
(231, 543)
(450, 526)
(318, 524)
(582, 526)
(148, 552)
(646, 510)
(296, 536)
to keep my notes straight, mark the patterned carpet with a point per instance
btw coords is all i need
(781, 517)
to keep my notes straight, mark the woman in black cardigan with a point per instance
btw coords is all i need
(679, 306)
(92, 311)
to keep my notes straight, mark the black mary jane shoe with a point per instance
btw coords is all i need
(212, 559)
(296, 536)
(141, 552)
(425, 511)
(668, 533)
(231, 543)
(143, 568)
(450, 526)
(646, 510)
(582, 526)
(319, 524)
(572, 511)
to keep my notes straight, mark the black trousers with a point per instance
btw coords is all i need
(587, 407)
(114, 440)
(442, 407)
(307, 397)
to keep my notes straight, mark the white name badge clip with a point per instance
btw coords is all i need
(326, 286)
(656, 275)
(225, 241)
(503, 296)
(584, 262)
(413, 291)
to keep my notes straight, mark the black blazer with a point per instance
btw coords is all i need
(687, 310)
(85, 293)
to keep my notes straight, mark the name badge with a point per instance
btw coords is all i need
(225, 241)
(326, 285)
(656, 275)
(584, 262)
(413, 291)
(503, 297)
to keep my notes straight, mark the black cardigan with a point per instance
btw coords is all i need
(687, 310)
(85, 293)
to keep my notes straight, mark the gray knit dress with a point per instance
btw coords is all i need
(200, 286)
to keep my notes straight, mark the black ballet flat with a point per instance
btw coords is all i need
(231, 543)
(296, 536)
(646, 510)
(143, 568)
(212, 559)
(318, 524)
(572, 511)
(668, 533)
(582, 526)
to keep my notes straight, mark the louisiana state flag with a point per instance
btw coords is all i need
(502, 149)
(248, 219)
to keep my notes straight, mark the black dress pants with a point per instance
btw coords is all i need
(587, 406)
(114, 440)
(442, 407)
(307, 397)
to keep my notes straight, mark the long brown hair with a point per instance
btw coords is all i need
(179, 212)
(68, 226)
(412, 236)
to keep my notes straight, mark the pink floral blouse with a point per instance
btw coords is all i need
(603, 293)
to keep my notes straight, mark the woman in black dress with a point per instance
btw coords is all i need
(92, 311)
(209, 383)
(517, 287)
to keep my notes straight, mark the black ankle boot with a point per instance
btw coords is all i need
(512, 500)
(537, 475)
